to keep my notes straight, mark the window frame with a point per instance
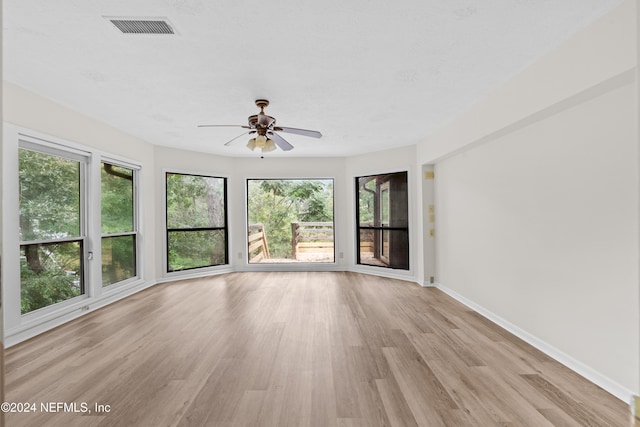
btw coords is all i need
(18, 326)
(381, 228)
(288, 265)
(136, 170)
(83, 237)
(166, 267)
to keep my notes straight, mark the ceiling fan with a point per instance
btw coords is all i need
(265, 127)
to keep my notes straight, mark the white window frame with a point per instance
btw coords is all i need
(84, 160)
(16, 325)
(136, 222)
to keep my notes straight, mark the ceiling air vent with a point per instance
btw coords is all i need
(142, 25)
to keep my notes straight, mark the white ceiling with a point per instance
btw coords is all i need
(369, 74)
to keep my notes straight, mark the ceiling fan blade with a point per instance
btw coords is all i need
(230, 141)
(280, 141)
(223, 126)
(304, 132)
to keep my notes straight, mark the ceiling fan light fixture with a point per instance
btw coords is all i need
(251, 145)
(261, 141)
(269, 146)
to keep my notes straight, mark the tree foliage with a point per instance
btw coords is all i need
(49, 196)
(276, 203)
(195, 209)
(49, 209)
(58, 279)
(117, 216)
(116, 208)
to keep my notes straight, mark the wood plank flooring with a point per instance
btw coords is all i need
(296, 349)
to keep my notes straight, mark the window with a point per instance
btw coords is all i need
(290, 220)
(52, 227)
(119, 236)
(383, 220)
(76, 235)
(196, 221)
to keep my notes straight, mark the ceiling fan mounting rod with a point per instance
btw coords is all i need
(261, 103)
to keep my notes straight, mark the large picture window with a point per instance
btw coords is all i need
(119, 229)
(383, 220)
(290, 220)
(52, 232)
(196, 221)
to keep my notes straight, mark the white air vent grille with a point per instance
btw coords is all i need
(142, 25)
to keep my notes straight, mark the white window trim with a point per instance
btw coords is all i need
(29, 324)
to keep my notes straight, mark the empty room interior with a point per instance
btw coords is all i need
(334, 214)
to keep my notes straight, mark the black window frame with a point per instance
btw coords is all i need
(333, 221)
(225, 228)
(381, 228)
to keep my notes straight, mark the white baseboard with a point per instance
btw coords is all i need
(195, 274)
(284, 267)
(587, 372)
(426, 284)
(389, 273)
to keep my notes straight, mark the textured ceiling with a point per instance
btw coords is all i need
(369, 74)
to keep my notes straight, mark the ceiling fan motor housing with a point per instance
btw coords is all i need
(261, 122)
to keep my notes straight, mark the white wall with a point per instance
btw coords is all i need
(601, 52)
(537, 200)
(540, 228)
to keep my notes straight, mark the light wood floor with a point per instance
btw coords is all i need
(297, 349)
